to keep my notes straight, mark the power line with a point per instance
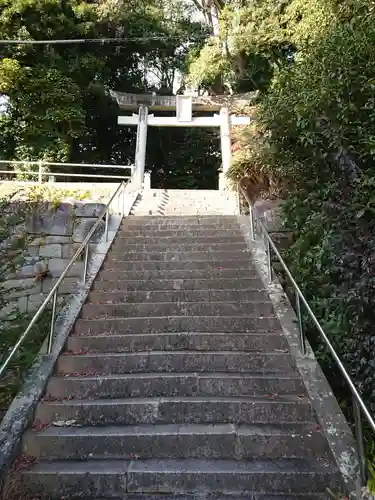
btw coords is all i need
(100, 40)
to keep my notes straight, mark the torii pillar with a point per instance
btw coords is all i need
(226, 149)
(140, 149)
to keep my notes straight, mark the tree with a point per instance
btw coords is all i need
(57, 98)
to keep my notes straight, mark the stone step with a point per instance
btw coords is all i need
(202, 210)
(172, 384)
(175, 324)
(176, 361)
(115, 478)
(178, 410)
(180, 224)
(184, 233)
(160, 309)
(176, 256)
(199, 238)
(177, 296)
(176, 441)
(250, 283)
(242, 262)
(176, 219)
(121, 247)
(249, 342)
(198, 496)
(214, 273)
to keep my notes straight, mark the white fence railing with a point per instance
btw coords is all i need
(43, 173)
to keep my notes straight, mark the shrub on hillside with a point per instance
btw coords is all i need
(320, 118)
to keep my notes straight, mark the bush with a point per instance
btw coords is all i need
(320, 118)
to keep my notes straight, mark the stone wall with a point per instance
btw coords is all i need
(269, 211)
(53, 233)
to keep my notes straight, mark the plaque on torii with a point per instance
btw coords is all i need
(184, 106)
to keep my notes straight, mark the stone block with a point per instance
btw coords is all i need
(53, 250)
(51, 220)
(30, 260)
(35, 301)
(58, 266)
(83, 226)
(50, 240)
(13, 308)
(32, 251)
(32, 270)
(9, 312)
(69, 250)
(22, 288)
(68, 285)
(87, 209)
(22, 304)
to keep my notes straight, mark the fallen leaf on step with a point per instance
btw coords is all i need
(65, 423)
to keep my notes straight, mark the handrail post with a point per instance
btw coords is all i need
(269, 265)
(52, 327)
(123, 198)
(119, 203)
(251, 215)
(300, 325)
(359, 441)
(86, 263)
(40, 172)
(106, 225)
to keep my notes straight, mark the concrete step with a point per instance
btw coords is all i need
(250, 283)
(242, 262)
(176, 256)
(164, 224)
(249, 342)
(188, 239)
(115, 478)
(187, 232)
(172, 384)
(176, 441)
(196, 210)
(175, 324)
(205, 496)
(177, 296)
(213, 273)
(176, 219)
(177, 361)
(178, 410)
(120, 247)
(160, 309)
(217, 496)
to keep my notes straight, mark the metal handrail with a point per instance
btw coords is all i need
(120, 190)
(40, 173)
(358, 403)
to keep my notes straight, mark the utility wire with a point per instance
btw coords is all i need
(99, 40)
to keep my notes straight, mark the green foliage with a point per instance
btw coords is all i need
(209, 66)
(319, 116)
(256, 37)
(173, 165)
(56, 98)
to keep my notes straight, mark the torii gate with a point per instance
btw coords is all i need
(184, 106)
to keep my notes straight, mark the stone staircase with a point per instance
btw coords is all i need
(176, 382)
